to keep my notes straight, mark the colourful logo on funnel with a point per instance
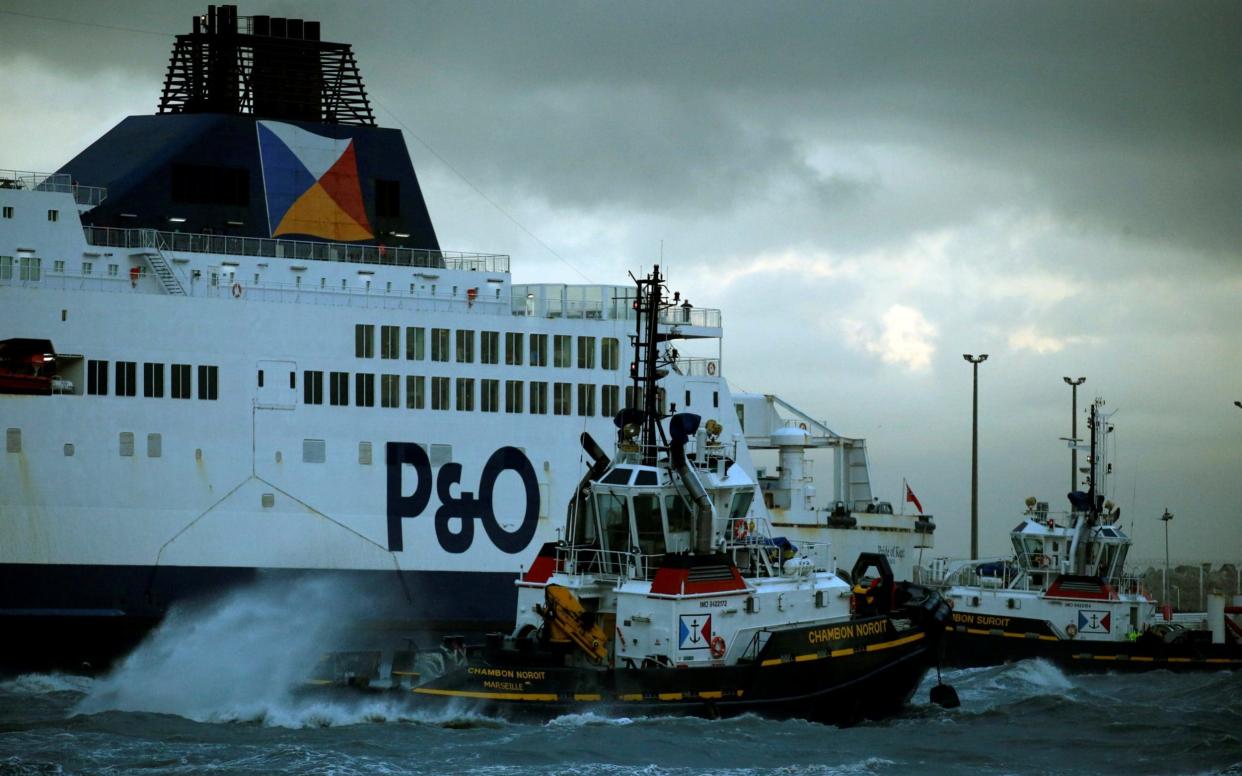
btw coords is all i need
(312, 185)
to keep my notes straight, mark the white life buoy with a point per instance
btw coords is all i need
(237, 290)
(711, 367)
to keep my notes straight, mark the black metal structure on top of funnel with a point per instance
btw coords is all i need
(268, 66)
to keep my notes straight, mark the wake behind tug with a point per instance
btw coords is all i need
(664, 597)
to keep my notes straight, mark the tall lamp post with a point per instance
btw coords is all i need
(1166, 517)
(1073, 384)
(975, 361)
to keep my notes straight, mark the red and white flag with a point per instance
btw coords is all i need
(913, 499)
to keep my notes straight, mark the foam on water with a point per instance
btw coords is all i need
(1022, 682)
(235, 658)
(42, 684)
(1109, 723)
(588, 718)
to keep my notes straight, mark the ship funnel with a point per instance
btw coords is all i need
(681, 427)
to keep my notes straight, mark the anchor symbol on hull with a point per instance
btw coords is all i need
(695, 631)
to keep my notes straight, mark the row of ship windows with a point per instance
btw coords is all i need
(460, 345)
(52, 215)
(28, 267)
(313, 450)
(126, 380)
(125, 440)
(31, 268)
(460, 393)
(420, 392)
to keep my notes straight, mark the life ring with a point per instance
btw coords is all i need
(802, 426)
(1071, 630)
(711, 368)
(718, 647)
(237, 290)
(740, 531)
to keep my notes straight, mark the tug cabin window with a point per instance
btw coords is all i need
(641, 521)
(649, 524)
(612, 511)
(741, 504)
(680, 518)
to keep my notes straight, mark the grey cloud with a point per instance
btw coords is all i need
(1121, 116)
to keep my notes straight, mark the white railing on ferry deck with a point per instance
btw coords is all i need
(697, 367)
(552, 300)
(353, 253)
(52, 181)
(271, 292)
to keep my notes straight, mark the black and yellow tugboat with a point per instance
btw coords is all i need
(669, 595)
(1065, 596)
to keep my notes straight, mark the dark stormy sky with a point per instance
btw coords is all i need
(868, 191)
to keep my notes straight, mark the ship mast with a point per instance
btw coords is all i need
(645, 369)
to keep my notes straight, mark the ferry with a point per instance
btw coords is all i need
(1063, 595)
(232, 347)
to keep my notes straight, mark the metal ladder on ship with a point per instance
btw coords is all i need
(159, 265)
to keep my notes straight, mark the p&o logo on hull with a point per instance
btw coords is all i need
(466, 507)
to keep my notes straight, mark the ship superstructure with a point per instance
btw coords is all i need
(231, 346)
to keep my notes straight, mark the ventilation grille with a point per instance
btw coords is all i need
(440, 455)
(314, 451)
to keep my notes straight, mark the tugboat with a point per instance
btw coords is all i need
(664, 597)
(1064, 596)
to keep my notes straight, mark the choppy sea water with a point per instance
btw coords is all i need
(212, 692)
(1021, 718)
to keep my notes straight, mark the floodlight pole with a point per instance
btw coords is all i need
(975, 361)
(1166, 518)
(1073, 384)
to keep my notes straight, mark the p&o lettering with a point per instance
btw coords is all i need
(465, 508)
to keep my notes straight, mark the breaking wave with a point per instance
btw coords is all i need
(240, 657)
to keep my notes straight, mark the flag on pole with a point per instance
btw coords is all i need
(913, 499)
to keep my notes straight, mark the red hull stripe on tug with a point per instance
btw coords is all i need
(681, 582)
(541, 570)
(1080, 587)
